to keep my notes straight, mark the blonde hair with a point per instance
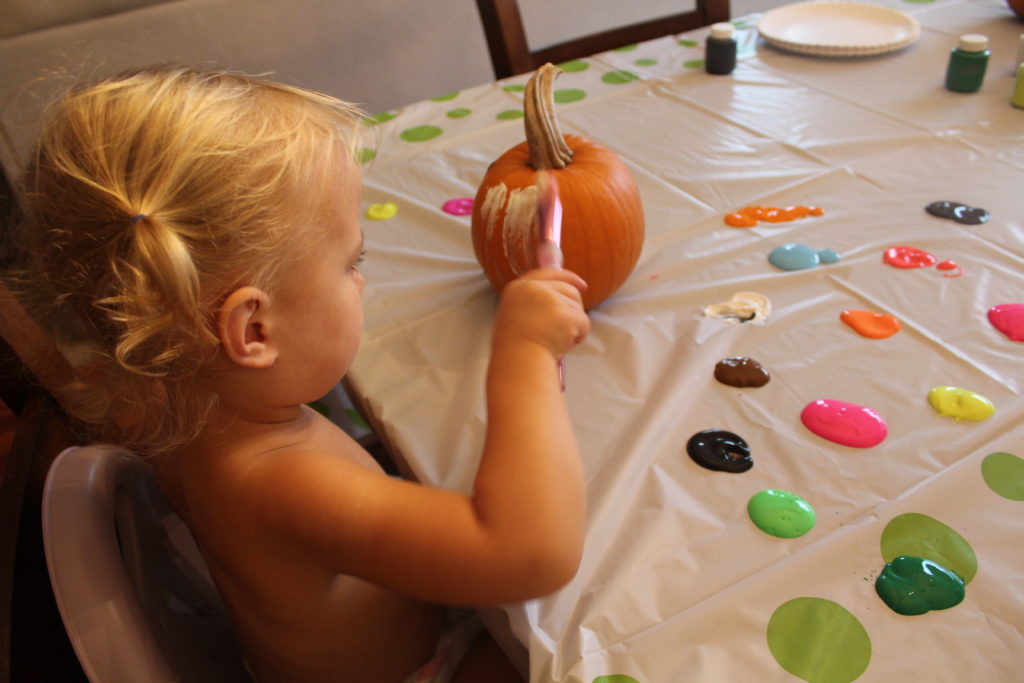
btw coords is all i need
(151, 196)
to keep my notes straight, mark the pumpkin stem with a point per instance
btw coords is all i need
(548, 148)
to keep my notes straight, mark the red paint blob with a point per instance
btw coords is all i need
(1008, 319)
(951, 265)
(908, 257)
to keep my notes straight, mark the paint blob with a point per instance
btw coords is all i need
(461, 206)
(1008, 319)
(749, 216)
(914, 585)
(381, 212)
(919, 535)
(819, 641)
(871, 324)
(1004, 474)
(615, 678)
(742, 308)
(954, 268)
(795, 256)
(960, 404)
(719, 450)
(780, 513)
(961, 213)
(844, 423)
(740, 371)
(908, 257)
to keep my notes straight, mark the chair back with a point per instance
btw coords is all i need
(511, 53)
(132, 588)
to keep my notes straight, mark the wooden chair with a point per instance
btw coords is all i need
(511, 54)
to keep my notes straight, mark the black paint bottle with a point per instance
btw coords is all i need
(720, 49)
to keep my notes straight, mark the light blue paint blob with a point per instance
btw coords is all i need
(795, 256)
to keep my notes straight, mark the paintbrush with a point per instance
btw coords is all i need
(549, 233)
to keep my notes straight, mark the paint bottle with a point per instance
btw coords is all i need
(1018, 89)
(720, 49)
(967, 63)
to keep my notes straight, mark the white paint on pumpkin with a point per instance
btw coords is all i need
(519, 208)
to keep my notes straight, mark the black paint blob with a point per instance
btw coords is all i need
(961, 213)
(719, 450)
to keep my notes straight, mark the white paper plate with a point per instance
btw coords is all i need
(838, 29)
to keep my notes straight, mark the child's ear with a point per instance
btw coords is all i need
(244, 328)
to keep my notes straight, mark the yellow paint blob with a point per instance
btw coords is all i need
(960, 404)
(382, 212)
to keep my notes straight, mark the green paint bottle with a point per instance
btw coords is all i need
(967, 63)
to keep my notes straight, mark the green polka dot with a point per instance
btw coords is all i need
(615, 678)
(619, 77)
(922, 536)
(646, 61)
(686, 42)
(420, 133)
(514, 88)
(569, 95)
(445, 98)
(356, 418)
(458, 113)
(693, 63)
(627, 48)
(510, 114)
(380, 118)
(320, 407)
(574, 66)
(366, 155)
(1004, 474)
(819, 641)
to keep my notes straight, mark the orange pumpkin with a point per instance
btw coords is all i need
(602, 217)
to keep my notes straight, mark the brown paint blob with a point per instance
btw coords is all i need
(740, 371)
(749, 216)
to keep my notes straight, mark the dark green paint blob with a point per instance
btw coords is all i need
(567, 95)
(819, 641)
(445, 98)
(619, 77)
(420, 133)
(458, 113)
(646, 61)
(574, 66)
(1004, 474)
(686, 42)
(919, 535)
(694, 63)
(509, 115)
(514, 88)
(615, 678)
(913, 585)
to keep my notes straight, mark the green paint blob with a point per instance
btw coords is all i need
(366, 155)
(382, 117)
(619, 77)
(514, 88)
(686, 42)
(912, 585)
(574, 66)
(780, 513)
(919, 535)
(615, 678)
(567, 95)
(420, 133)
(458, 113)
(445, 98)
(509, 114)
(693, 63)
(627, 48)
(646, 61)
(819, 641)
(1004, 474)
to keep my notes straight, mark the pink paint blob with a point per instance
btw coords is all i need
(844, 423)
(908, 257)
(1008, 319)
(461, 206)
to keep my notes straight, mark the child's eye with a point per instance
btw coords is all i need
(359, 260)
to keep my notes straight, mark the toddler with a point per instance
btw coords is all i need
(198, 235)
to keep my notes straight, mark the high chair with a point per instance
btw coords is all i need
(511, 53)
(132, 588)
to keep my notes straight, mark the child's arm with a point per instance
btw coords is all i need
(520, 535)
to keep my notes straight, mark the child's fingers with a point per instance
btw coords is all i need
(559, 274)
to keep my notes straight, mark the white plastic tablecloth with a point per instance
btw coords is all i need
(676, 582)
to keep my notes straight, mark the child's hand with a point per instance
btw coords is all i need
(543, 306)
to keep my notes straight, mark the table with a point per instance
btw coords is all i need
(676, 582)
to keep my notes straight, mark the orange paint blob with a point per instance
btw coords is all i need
(749, 216)
(871, 324)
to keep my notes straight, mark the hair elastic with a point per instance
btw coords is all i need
(136, 218)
